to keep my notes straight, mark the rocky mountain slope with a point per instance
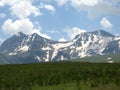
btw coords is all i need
(21, 48)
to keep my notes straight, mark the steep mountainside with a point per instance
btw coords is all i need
(21, 48)
(4, 60)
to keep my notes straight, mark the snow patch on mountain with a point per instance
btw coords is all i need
(46, 48)
(109, 58)
(47, 57)
(58, 46)
(110, 61)
(20, 49)
(23, 48)
(12, 54)
(38, 58)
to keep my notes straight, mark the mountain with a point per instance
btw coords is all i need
(21, 48)
(102, 33)
(4, 60)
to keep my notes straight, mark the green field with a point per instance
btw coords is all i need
(60, 76)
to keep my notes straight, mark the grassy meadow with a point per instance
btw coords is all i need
(60, 76)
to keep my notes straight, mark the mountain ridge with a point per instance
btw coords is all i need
(23, 48)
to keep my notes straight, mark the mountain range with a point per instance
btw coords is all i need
(22, 48)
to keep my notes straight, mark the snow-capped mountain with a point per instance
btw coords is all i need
(23, 48)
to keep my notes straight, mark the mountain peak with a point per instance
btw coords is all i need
(20, 34)
(35, 34)
(22, 48)
(102, 33)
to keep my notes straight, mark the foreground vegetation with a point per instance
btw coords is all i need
(60, 76)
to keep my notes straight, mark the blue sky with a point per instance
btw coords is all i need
(59, 20)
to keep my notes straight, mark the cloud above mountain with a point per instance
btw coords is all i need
(106, 24)
(47, 7)
(94, 8)
(49, 18)
(62, 39)
(21, 8)
(24, 25)
(72, 32)
(11, 27)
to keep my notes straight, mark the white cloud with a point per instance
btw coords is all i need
(74, 31)
(45, 36)
(23, 25)
(21, 8)
(62, 40)
(11, 27)
(4, 2)
(24, 8)
(61, 2)
(2, 15)
(94, 8)
(106, 24)
(78, 3)
(48, 7)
